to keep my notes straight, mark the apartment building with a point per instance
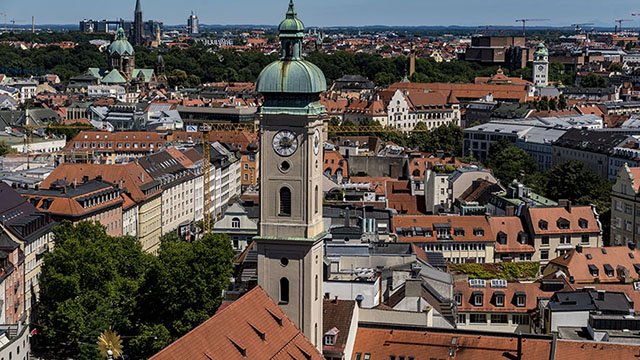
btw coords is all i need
(625, 207)
(460, 239)
(557, 230)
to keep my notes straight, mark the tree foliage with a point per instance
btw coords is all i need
(509, 162)
(92, 282)
(446, 138)
(593, 81)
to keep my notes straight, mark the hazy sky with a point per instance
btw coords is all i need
(331, 12)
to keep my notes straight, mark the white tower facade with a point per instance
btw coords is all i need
(541, 66)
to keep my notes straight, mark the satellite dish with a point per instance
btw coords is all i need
(110, 345)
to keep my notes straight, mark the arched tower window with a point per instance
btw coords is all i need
(284, 291)
(285, 201)
(317, 200)
(317, 287)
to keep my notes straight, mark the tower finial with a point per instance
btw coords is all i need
(138, 6)
(291, 12)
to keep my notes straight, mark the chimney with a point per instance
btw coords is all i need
(335, 300)
(632, 246)
(359, 300)
(565, 204)
(579, 249)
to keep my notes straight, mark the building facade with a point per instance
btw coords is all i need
(625, 207)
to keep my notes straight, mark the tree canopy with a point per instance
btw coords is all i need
(509, 162)
(92, 282)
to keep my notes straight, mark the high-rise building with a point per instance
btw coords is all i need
(290, 245)
(193, 24)
(138, 26)
(541, 66)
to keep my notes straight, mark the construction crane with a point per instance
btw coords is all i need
(619, 24)
(524, 24)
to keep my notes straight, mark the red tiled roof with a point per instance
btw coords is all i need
(470, 91)
(551, 215)
(337, 314)
(577, 265)
(253, 327)
(466, 223)
(532, 293)
(511, 226)
(399, 197)
(334, 161)
(635, 172)
(132, 175)
(384, 343)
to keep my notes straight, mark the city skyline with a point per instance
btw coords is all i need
(331, 12)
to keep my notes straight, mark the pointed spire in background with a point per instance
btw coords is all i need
(138, 6)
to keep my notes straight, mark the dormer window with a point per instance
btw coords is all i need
(583, 223)
(502, 238)
(543, 225)
(478, 232)
(563, 224)
(521, 299)
(457, 298)
(478, 298)
(458, 232)
(330, 336)
(499, 298)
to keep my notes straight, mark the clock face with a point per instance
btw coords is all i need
(540, 67)
(316, 142)
(285, 143)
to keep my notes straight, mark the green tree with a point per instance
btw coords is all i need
(509, 162)
(593, 81)
(88, 285)
(184, 286)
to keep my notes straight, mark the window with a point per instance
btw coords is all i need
(502, 238)
(565, 239)
(329, 339)
(585, 239)
(544, 255)
(478, 318)
(235, 223)
(477, 299)
(543, 225)
(563, 224)
(520, 319)
(317, 287)
(462, 319)
(285, 202)
(499, 299)
(458, 299)
(521, 300)
(284, 291)
(545, 240)
(317, 200)
(583, 223)
(458, 232)
(499, 319)
(478, 232)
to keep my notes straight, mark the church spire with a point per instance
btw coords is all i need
(291, 12)
(138, 6)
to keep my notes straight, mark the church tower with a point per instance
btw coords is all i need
(290, 245)
(138, 25)
(541, 66)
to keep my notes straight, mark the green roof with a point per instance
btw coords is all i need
(121, 45)
(145, 74)
(295, 76)
(542, 50)
(114, 77)
(291, 24)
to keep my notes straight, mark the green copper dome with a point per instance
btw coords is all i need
(291, 74)
(542, 50)
(121, 45)
(291, 77)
